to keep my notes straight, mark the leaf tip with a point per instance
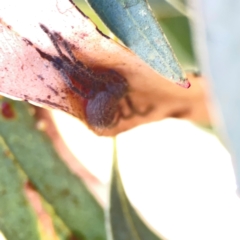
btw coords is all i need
(184, 83)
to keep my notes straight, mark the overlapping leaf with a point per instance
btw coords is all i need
(68, 195)
(133, 22)
(123, 221)
(17, 219)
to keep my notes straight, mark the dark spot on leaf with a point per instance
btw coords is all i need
(83, 35)
(2, 192)
(7, 110)
(48, 188)
(9, 27)
(7, 153)
(40, 77)
(53, 90)
(65, 192)
(77, 236)
(75, 201)
(72, 237)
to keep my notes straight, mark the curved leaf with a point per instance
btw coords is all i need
(67, 194)
(133, 22)
(17, 219)
(123, 221)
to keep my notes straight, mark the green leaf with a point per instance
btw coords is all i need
(175, 24)
(61, 230)
(133, 22)
(123, 221)
(17, 219)
(68, 195)
(164, 8)
(178, 32)
(178, 5)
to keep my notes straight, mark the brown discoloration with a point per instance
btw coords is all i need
(7, 110)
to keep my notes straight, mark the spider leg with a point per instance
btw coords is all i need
(58, 64)
(68, 50)
(53, 39)
(120, 114)
(66, 46)
(116, 119)
(69, 83)
(123, 115)
(134, 110)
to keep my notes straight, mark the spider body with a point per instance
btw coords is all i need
(102, 91)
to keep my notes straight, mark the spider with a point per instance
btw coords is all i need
(103, 91)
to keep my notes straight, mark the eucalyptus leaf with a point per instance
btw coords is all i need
(68, 195)
(123, 221)
(17, 219)
(133, 22)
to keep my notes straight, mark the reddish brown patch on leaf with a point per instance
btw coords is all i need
(7, 110)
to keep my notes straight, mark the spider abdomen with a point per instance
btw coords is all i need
(101, 109)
